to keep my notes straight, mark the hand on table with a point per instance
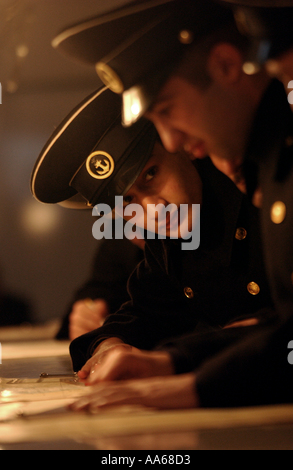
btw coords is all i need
(87, 315)
(123, 362)
(172, 392)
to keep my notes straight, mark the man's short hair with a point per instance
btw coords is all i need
(193, 67)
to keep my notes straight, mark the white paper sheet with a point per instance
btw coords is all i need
(12, 411)
(31, 390)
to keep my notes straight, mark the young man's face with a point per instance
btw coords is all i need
(166, 179)
(214, 121)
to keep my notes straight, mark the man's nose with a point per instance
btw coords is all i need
(148, 200)
(172, 139)
(149, 203)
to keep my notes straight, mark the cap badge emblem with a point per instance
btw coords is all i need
(100, 165)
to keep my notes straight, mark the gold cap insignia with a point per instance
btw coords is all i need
(110, 78)
(100, 165)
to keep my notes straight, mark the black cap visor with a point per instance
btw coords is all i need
(91, 158)
(70, 145)
(91, 40)
(128, 150)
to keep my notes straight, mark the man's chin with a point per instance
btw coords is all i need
(232, 170)
(224, 165)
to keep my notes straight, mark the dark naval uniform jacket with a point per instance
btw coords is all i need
(113, 264)
(258, 370)
(175, 292)
(271, 149)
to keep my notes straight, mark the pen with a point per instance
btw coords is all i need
(44, 375)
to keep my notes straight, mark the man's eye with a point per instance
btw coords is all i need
(127, 200)
(164, 111)
(151, 174)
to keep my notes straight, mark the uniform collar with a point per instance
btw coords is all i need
(221, 208)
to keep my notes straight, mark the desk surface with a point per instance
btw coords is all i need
(130, 428)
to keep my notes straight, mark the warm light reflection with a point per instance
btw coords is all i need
(251, 68)
(39, 219)
(22, 51)
(132, 106)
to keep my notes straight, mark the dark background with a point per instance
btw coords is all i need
(45, 251)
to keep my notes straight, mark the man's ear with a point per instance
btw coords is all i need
(225, 64)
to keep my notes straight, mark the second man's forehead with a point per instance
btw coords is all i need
(165, 96)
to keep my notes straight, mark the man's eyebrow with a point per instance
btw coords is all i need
(160, 101)
(146, 168)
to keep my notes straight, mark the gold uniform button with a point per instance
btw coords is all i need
(253, 288)
(186, 36)
(241, 234)
(278, 212)
(189, 293)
